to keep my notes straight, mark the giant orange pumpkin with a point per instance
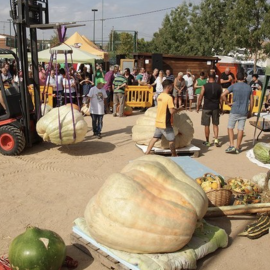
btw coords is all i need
(144, 129)
(152, 206)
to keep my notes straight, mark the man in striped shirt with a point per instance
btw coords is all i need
(119, 84)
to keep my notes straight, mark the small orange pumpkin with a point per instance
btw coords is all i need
(127, 110)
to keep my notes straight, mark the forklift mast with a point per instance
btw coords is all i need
(28, 14)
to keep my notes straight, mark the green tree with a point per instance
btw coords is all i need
(248, 24)
(208, 34)
(144, 46)
(126, 44)
(54, 40)
(172, 37)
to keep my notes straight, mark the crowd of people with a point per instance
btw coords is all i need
(212, 94)
(94, 86)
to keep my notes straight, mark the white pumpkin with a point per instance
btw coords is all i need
(144, 129)
(45, 108)
(85, 110)
(152, 206)
(48, 126)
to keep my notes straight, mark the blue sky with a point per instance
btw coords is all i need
(66, 11)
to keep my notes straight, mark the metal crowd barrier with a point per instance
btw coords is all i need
(139, 96)
(48, 94)
(257, 97)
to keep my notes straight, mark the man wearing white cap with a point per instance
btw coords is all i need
(98, 101)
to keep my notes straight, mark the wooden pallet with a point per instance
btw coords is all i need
(190, 150)
(99, 255)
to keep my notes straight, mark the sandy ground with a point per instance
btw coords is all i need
(49, 186)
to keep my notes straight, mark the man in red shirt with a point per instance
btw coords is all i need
(165, 110)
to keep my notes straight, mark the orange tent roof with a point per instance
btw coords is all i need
(90, 42)
(87, 45)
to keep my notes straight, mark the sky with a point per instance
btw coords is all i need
(81, 12)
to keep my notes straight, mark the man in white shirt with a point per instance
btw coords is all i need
(56, 82)
(51, 80)
(69, 85)
(98, 101)
(59, 90)
(189, 78)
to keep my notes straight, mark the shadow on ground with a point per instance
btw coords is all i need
(87, 148)
(226, 224)
(126, 130)
(83, 259)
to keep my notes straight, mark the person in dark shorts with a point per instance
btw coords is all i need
(241, 109)
(165, 109)
(211, 92)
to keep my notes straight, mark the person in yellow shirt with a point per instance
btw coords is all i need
(165, 110)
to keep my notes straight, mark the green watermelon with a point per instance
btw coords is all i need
(262, 152)
(37, 249)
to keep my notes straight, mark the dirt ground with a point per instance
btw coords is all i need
(49, 186)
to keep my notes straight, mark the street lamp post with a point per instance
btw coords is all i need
(102, 25)
(94, 10)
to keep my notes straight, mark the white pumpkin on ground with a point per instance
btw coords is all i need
(60, 120)
(152, 206)
(144, 129)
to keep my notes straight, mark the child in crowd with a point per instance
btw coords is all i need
(98, 101)
(86, 86)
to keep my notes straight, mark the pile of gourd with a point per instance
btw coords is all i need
(240, 185)
(210, 182)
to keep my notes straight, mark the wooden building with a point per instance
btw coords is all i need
(3, 38)
(175, 63)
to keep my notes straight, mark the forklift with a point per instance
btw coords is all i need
(12, 118)
(18, 116)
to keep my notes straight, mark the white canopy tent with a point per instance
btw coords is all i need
(75, 55)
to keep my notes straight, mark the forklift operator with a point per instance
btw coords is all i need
(2, 101)
(7, 81)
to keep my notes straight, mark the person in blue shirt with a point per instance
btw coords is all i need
(241, 109)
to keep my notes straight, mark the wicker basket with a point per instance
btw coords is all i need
(219, 196)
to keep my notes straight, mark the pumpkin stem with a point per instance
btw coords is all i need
(46, 137)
